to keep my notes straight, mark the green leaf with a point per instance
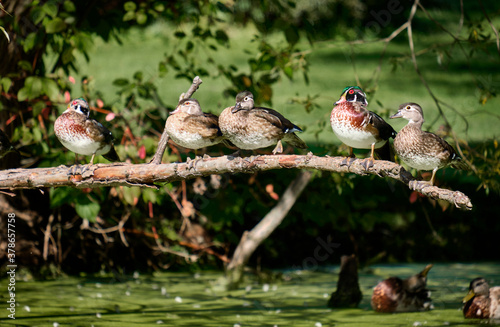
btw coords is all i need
(87, 209)
(37, 134)
(180, 35)
(51, 89)
(138, 76)
(149, 195)
(55, 26)
(5, 83)
(141, 18)
(50, 8)
(159, 7)
(25, 65)
(131, 194)
(22, 95)
(61, 195)
(38, 107)
(130, 15)
(162, 68)
(129, 6)
(69, 6)
(32, 88)
(288, 70)
(120, 82)
(29, 42)
(221, 37)
(292, 35)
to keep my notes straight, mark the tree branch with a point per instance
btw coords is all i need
(162, 144)
(251, 240)
(147, 175)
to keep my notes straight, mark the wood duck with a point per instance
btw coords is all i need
(191, 128)
(84, 135)
(360, 128)
(249, 127)
(423, 150)
(348, 293)
(397, 295)
(482, 301)
(5, 145)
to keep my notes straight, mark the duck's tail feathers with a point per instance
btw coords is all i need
(294, 140)
(385, 152)
(112, 155)
(458, 163)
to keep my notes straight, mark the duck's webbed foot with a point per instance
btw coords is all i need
(278, 148)
(368, 163)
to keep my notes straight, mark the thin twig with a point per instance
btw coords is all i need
(491, 25)
(162, 143)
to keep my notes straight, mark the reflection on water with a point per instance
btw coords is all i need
(182, 299)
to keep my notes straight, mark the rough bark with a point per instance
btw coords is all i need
(147, 175)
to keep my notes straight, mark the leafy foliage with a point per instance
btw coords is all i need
(177, 220)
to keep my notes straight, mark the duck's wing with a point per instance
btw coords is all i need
(207, 125)
(276, 119)
(384, 129)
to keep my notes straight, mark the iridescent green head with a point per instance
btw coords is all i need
(353, 94)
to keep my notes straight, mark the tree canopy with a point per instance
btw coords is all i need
(261, 46)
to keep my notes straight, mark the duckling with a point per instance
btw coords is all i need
(397, 295)
(482, 301)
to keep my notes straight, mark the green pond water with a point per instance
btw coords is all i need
(183, 299)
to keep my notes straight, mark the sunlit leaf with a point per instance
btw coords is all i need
(87, 209)
(55, 26)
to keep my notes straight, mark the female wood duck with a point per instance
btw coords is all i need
(84, 135)
(360, 128)
(482, 301)
(191, 128)
(249, 127)
(423, 150)
(397, 295)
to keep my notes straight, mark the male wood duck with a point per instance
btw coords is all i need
(84, 135)
(360, 128)
(482, 301)
(249, 127)
(5, 145)
(397, 295)
(423, 150)
(191, 128)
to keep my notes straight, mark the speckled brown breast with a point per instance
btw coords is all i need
(345, 113)
(351, 124)
(477, 307)
(386, 295)
(422, 150)
(70, 125)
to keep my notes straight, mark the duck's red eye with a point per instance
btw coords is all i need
(351, 91)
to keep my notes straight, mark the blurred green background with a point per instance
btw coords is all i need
(135, 59)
